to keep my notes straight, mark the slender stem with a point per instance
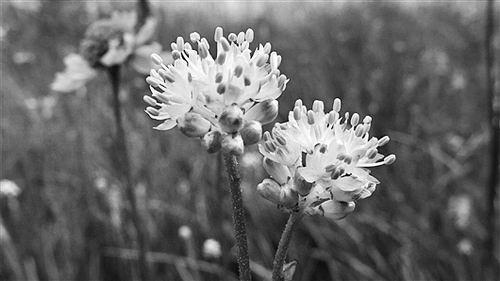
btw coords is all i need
(123, 166)
(286, 237)
(233, 172)
(494, 119)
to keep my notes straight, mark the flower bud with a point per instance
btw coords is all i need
(277, 171)
(336, 210)
(231, 119)
(212, 141)
(232, 144)
(301, 185)
(264, 112)
(272, 191)
(251, 132)
(193, 125)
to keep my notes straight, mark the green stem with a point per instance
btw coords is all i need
(233, 172)
(286, 237)
(123, 166)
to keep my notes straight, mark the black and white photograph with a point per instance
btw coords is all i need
(234, 140)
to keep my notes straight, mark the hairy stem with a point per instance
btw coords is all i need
(122, 162)
(233, 172)
(286, 237)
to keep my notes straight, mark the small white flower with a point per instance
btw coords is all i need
(9, 188)
(76, 74)
(212, 248)
(230, 90)
(185, 232)
(324, 157)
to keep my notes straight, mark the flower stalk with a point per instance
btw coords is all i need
(234, 176)
(286, 237)
(123, 167)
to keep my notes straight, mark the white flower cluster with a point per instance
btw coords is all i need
(319, 162)
(222, 100)
(109, 42)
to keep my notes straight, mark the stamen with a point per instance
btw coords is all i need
(333, 116)
(296, 113)
(262, 60)
(218, 77)
(221, 58)
(266, 136)
(330, 168)
(360, 130)
(281, 140)
(165, 75)
(221, 89)
(267, 48)
(238, 71)
(176, 55)
(153, 81)
(310, 117)
(383, 141)
(372, 152)
(318, 106)
(354, 119)
(241, 37)
(157, 60)
(336, 105)
(388, 160)
(249, 35)
(225, 44)
(180, 44)
(269, 146)
(247, 81)
(232, 37)
(367, 119)
(149, 100)
(153, 111)
(195, 36)
(298, 103)
(218, 33)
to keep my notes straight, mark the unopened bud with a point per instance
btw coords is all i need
(277, 171)
(193, 125)
(231, 119)
(251, 132)
(301, 185)
(264, 112)
(232, 144)
(336, 210)
(272, 191)
(212, 141)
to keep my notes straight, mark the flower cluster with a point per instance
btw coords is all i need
(109, 42)
(319, 162)
(222, 100)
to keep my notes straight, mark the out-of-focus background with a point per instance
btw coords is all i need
(417, 69)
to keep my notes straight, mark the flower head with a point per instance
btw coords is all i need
(108, 42)
(235, 90)
(322, 159)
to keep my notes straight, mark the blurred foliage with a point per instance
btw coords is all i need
(417, 69)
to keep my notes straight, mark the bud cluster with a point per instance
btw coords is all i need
(223, 100)
(318, 162)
